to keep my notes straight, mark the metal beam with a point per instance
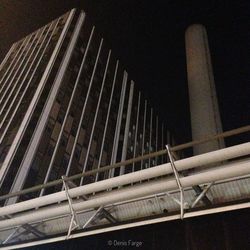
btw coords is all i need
(126, 130)
(107, 120)
(202, 195)
(118, 124)
(127, 162)
(26, 227)
(124, 194)
(132, 224)
(161, 170)
(73, 222)
(103, 211)
(84, 105)
(96, 115)
(177, 177)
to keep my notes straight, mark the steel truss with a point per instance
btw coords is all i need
(148, 187)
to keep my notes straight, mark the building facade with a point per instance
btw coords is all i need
(68, 106)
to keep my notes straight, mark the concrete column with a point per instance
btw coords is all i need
(205, 116)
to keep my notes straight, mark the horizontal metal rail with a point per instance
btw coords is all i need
(128, 162)
(131, 224)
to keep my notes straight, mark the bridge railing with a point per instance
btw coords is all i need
(127, 163)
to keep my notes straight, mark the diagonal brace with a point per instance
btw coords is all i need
(73, 222)
(92, 217)
(202, 194)
(177, 178)
(106, 214)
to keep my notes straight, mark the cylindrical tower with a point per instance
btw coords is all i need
(205, 116)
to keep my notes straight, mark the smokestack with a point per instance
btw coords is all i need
(205, 116)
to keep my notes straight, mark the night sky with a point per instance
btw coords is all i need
(148, 38)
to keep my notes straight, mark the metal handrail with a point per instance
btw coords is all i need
(128, 162)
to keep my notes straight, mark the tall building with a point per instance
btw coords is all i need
(68, 106)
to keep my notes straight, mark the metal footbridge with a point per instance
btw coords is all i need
(212, 182)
